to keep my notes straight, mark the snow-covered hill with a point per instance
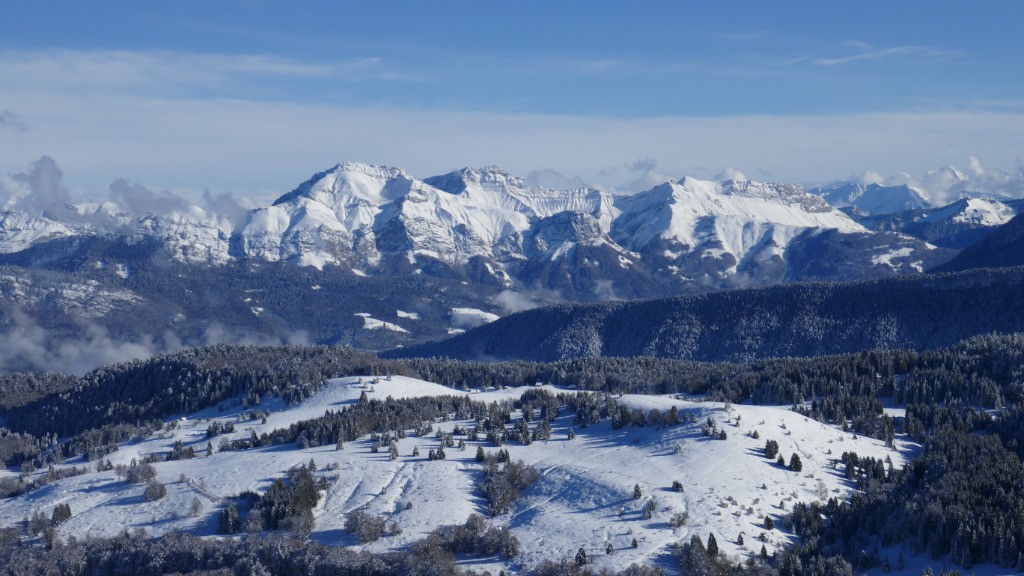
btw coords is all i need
(973, 211)
(584, 497)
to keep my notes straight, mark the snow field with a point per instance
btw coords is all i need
(584, 496)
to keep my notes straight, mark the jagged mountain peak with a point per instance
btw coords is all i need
(378, 171)
(492, 173)
(951, 171)
(349, 181)
(489, 180)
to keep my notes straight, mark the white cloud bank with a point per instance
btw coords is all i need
(194, 127)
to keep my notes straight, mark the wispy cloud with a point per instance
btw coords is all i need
(868, 52)
(167, 72)
(12, 122)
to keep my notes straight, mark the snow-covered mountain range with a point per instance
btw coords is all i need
(493, 227)
(337, 258)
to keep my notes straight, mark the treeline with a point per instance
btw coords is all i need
(133, 392)
(135, 554)
(123, 401)
(119, 402)
(961, 498)
(985, 372)
(392, 418)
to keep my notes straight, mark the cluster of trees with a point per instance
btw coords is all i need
(474, 538)
(367, 527)
(590, 409)
(288, 504)
(22, 388)
(20, 449)
(503, 481)
(135, 554)
(389, 417)
(694, 557)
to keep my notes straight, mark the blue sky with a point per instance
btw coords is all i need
(252, 97)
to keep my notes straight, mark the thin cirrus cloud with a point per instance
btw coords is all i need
(868, 52)
(167, 72)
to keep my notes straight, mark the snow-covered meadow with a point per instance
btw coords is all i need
(583, 498)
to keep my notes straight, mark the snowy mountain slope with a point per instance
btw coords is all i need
(873, 199)
(496, 188)
(193, 236)
(825, 255)
(693, 212)
(956, 225)
(327, 219)
(1001, 248)
(691, 233)
(190, 235)
(732, 222)
(583, 497)
(20, 230)
(973, 211)
(354, 212)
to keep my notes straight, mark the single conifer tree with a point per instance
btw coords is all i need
(712, 545)
(794, 463)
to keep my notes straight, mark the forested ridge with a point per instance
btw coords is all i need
(916, 312)
(113, 403)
